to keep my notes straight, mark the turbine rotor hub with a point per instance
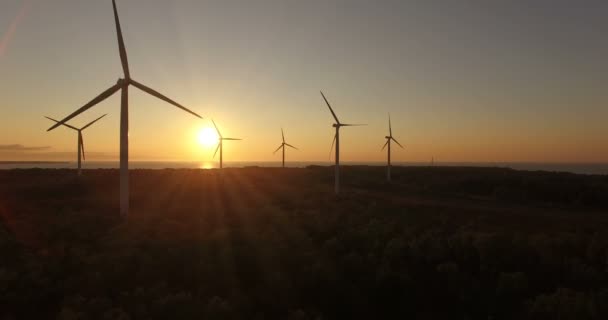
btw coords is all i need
(123, 82)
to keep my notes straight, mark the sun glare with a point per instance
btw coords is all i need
(207, 137)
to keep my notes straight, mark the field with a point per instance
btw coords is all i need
(271, 243)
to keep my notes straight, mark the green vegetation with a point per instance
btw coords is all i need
(254, 243)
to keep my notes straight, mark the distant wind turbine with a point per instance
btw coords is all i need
(336, 141)
(122, 84)
(80, 139)
(388, 143)
(220, 145)
(282, 146)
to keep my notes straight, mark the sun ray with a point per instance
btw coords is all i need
(8, 35)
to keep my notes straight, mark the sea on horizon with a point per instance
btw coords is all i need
(579, 168)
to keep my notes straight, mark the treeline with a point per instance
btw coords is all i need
(503, 184)
(271, 253)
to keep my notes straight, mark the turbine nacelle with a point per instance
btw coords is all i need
(80, 137)
(221, 139)
(122, 84)
(390, 135)
(336, 141)
(283, 145)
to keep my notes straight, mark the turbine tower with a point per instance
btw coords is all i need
(123, 85)
(336, 141)
(388, 143)
(283, 147)
(80, 140)
(220, 145)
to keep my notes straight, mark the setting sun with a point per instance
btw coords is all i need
(207, 137)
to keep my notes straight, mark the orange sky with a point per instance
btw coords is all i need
(484, 83)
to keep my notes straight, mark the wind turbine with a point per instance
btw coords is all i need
(220, 145)
(123, 85)
(283, 146)
(80, 139)
(388, 143)
(336, 141)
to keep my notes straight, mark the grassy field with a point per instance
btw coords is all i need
(270, 243)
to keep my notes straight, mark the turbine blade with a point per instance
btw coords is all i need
(390, 130)
(82, 145)
(385, 144)
(397, 142)
(216, 129)
(332, 146)
(283, 135)
(287, 144)
(279, 148)
(121, 43)
(162, 97)
(216, 150)
(104, 95)
(91, 123)
(64, 124)
(232, 139)
(330, 109)
(352, 125)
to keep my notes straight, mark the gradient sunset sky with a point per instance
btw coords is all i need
(488, 81)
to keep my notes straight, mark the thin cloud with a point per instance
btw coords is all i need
(10, 33)
(19, 147)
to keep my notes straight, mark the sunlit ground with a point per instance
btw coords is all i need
(208, 165)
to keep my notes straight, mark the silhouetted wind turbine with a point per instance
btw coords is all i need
(336, 141)
(283, 146)
(220, 145)
(80, 139)
(388, 143)
(122, 84)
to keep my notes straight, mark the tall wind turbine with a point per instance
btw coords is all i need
(80, 139)
(123, 85)
(336, 141)
(388, 143)
(283, 146)
(220, 145)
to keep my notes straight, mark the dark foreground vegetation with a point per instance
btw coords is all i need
(253, 243)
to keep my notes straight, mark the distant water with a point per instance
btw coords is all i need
(580, 168)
